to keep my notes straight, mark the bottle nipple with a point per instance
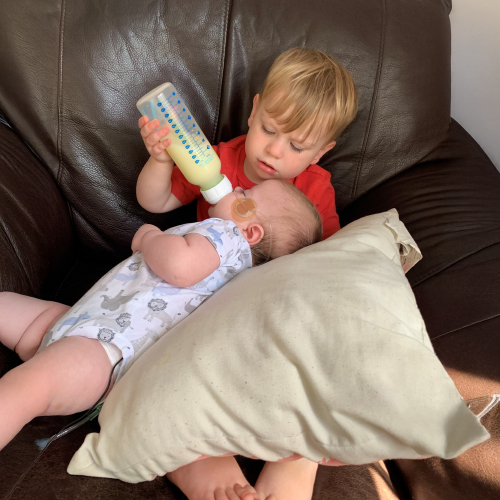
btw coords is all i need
(216, 193)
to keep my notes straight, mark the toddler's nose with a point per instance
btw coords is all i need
(275, 148)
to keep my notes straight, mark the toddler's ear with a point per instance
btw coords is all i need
(253, 232)
(255, 105)
(324, 150)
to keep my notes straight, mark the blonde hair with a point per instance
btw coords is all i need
(313, 89)
(294, 224)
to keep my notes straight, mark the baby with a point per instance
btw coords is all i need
(70, 353)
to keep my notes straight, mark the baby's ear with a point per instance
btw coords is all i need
(324, 150)
(253, 233)
(255, 105)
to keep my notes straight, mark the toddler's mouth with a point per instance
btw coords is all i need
(266, 167)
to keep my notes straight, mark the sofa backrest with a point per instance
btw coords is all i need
(71, 72)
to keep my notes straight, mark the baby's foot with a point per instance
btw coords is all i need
(212, 479)
(287, 480)
(246, 492)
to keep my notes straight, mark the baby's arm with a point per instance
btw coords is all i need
(154, 185)
(180, 260)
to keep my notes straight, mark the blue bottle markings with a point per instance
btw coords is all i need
(179, 123)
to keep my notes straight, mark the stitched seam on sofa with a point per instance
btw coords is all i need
(373, 100)
(222, 65)
(447, 5)
(4, 121)
(438, 270)
(9, 239)
(466, 326)
(63, 281)
(87, 223)
(59, 89)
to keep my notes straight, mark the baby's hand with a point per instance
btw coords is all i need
(155, 142)
(137, 241)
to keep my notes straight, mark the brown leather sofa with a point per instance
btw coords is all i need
(70, 154)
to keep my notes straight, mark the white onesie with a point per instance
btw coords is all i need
(131, 307)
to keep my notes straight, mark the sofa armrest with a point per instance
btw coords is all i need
(35, 227)
(472, 475)
(450, 203)
(461, 308)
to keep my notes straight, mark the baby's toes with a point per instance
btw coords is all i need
(246, 492)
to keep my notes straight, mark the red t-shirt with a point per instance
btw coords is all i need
(314, 182)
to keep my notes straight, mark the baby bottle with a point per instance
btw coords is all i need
(189, 148)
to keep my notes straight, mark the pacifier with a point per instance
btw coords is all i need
(243, 209)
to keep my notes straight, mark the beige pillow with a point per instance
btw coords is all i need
(322, 353)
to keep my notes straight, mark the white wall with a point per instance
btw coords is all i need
(475, 71)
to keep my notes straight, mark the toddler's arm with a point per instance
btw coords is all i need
(180, 260)
(154, 185)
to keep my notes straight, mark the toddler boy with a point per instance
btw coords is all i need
(307, 100)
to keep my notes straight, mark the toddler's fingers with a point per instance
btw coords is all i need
(155, 137)
(149, 127)
(160, 147)
(142, 121)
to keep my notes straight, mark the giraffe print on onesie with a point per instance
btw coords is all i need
(132, 307)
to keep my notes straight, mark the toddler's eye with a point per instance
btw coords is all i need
(268, 132)
(296, 149)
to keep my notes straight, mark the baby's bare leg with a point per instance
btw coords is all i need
(24, 321)
(66, 377)
(287, 480)
(211, 479)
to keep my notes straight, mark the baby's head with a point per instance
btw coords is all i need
(274, 216)
(307, 100)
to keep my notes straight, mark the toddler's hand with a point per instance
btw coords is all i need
(154, 140)
(137, 241)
